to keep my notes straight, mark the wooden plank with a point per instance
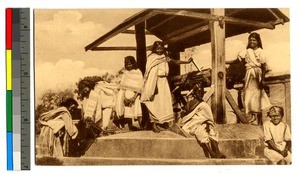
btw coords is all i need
(141, 51)
(235, 107)
(133, 32)
(218, 67)
(213, 17)
(119, 48)
(161, 23)
(136, 19)
(184, 30)
(114, 48)
(208, 94)
(187, 34)
(256, 24)
(185, 13)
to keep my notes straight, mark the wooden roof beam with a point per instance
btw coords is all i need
(268, 25)
(133, 32)
(114, 49)
(188, 14)
(118, 48)
(279, 20)
(206, 16)
(161, 23)
(138, 18)
(185, 29)
(187, 34)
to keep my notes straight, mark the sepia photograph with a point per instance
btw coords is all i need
(162, 86)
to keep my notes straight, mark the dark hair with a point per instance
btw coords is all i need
(198, 91)
(85, 83)
(68, 102)
(131, 59)
(257, 37)
(155, 45)
(275, 110)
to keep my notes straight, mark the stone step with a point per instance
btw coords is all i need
(88, 161)
(236, 141)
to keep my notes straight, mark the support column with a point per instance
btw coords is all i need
(141, 51)
(174, 69)
(217, 30)
(175, 55)
(141, 58)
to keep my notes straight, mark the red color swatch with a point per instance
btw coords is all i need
(8, 28)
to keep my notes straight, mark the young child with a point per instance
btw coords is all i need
(128, 99)
(277, 138)
(197, 120)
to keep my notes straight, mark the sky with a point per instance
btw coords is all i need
(60, 36)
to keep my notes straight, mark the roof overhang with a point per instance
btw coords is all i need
(184, 28)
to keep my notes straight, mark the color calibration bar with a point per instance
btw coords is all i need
(17, 45)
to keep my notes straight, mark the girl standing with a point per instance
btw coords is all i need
(255, 98)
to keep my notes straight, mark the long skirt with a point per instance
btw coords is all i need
(255, 99)
(161, 108)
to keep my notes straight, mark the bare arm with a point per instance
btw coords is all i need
(272, 146)
(178, 62)
(230, 61)
(130, 101)
(264, 71)
(288, 146)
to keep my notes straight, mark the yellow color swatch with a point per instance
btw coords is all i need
(8, 70)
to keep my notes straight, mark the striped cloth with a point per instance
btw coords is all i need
(132, 80)
(103, 96)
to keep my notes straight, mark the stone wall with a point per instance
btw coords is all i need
(280, 93)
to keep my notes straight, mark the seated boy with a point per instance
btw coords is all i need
(197, 120)
(277, 138)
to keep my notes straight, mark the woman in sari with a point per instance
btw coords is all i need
(156, 93)
(255, 98)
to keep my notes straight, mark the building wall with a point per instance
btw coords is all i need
(280, 94)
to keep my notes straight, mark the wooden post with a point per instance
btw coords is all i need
(174, 69)
(140, 37)
(235, 107)
(217, 30)
(175, 55)
(141, 58)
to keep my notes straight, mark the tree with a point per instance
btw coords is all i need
(50, 100)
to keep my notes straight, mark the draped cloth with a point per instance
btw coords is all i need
(57, 129)
(195, 123)
(156, 93)
(132, 80)
(131, 83)
(98, 106)
(255, 98)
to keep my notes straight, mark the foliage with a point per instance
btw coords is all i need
(50, 100)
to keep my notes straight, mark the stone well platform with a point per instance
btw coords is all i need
(242, 144)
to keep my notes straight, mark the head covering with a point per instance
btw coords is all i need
(275, 110)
